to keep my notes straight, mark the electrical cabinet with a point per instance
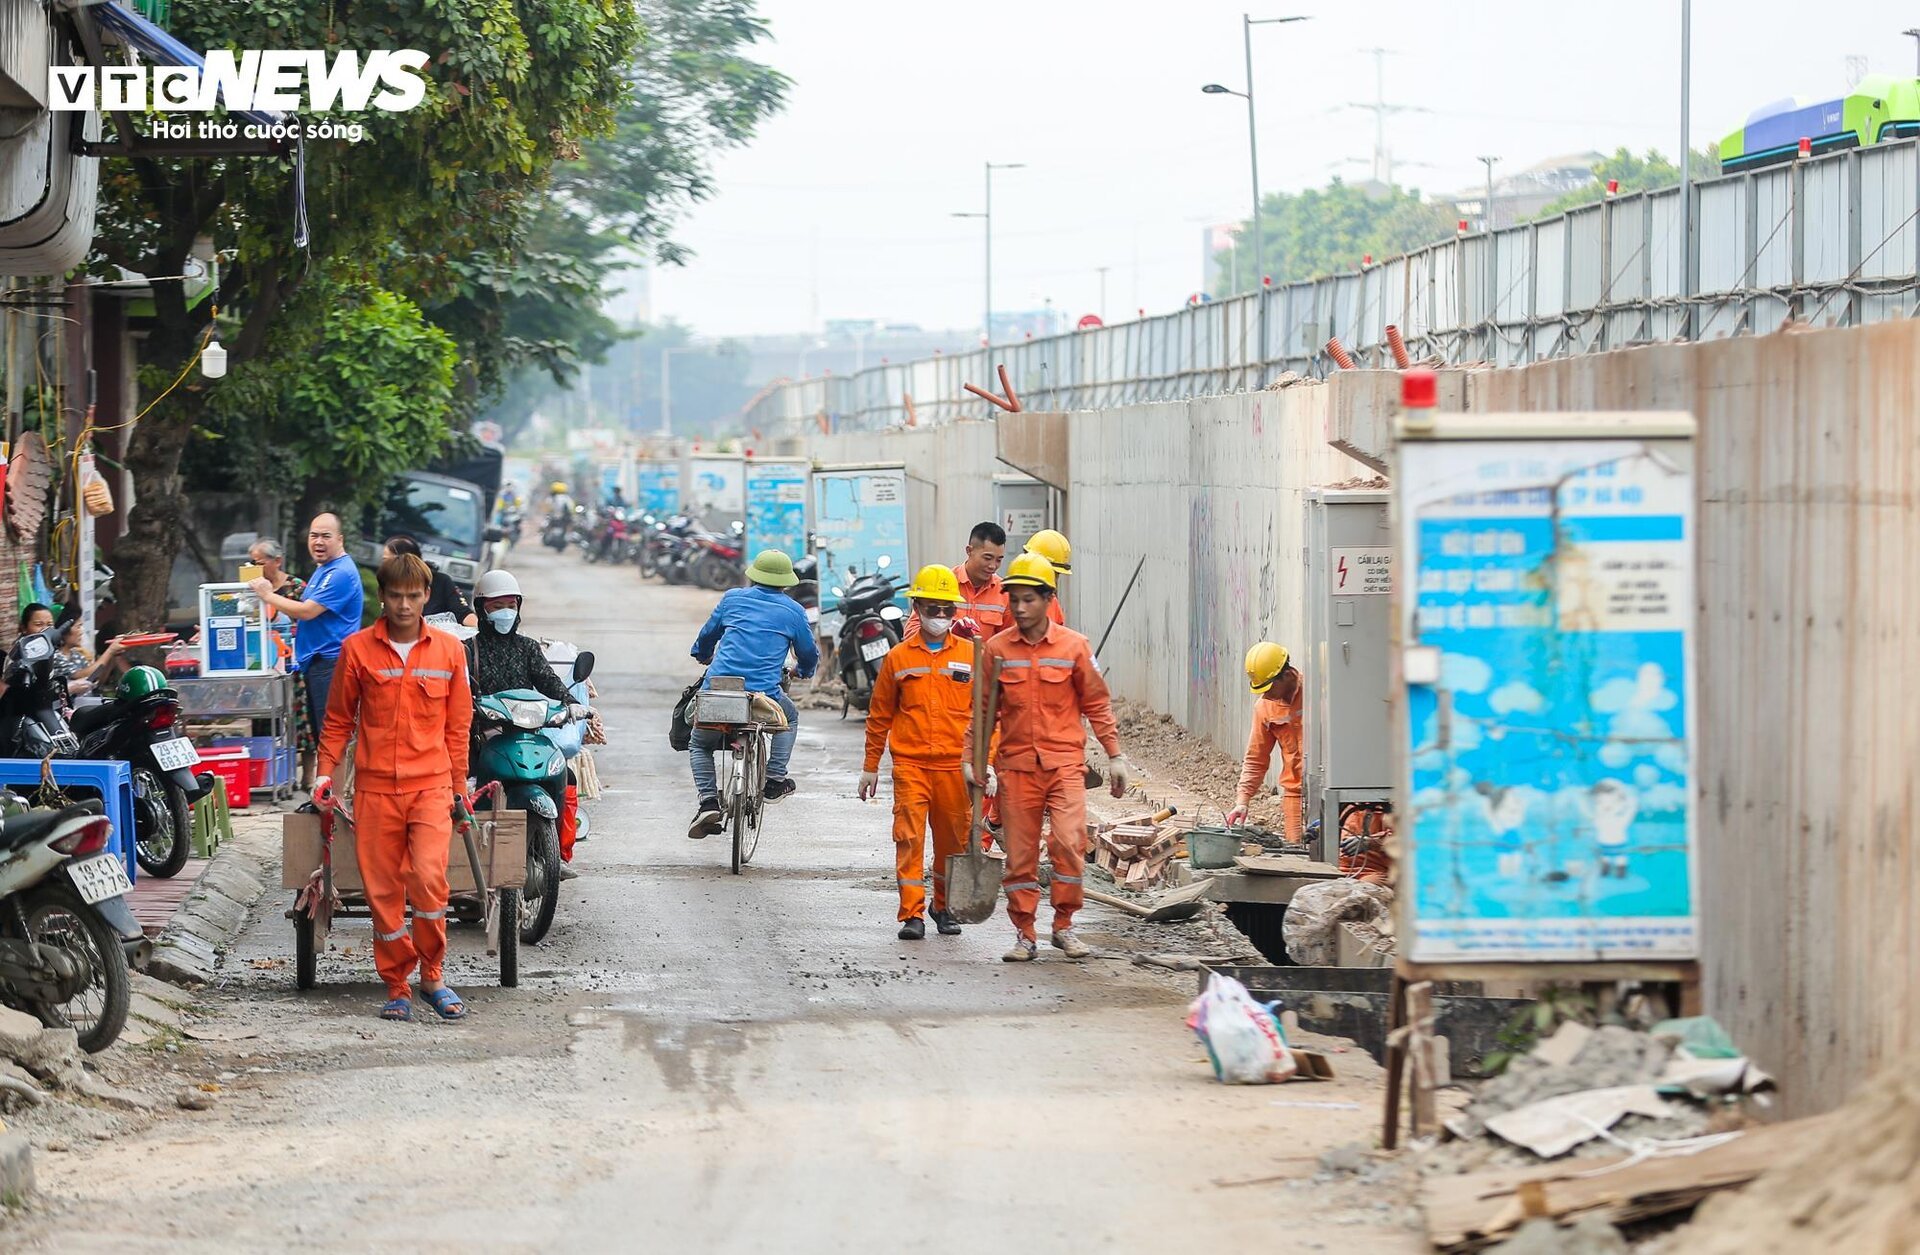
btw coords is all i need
(1349, 754)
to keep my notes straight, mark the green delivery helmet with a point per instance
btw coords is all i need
(141, 682)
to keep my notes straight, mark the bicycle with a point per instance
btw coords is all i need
(740, 766)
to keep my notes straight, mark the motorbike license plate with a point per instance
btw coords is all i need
(99, 878)
(873, 651)
(174, 753)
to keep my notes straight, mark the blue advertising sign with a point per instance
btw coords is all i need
(1547, 793)
(718, 488)
(859, 517)
(777, 505)
(658, 487)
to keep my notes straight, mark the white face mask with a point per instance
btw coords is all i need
(936, 629)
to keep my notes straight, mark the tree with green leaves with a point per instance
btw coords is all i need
(1635, 174)
(1325, 230)
(511, 89)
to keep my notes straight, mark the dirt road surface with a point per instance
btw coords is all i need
(701, 1062)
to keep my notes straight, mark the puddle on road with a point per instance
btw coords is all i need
(693, 1056)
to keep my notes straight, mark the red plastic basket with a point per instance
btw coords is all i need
(235, 770)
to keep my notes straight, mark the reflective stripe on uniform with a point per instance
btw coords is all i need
(1065, 880)
(390, 936)
(904, 672)
(439, 914)
(389, 672)
(1054, 662)
(432, 674)
(1012, 885)
(921, 883)
(1007, 663)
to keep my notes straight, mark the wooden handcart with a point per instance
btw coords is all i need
(485, 877)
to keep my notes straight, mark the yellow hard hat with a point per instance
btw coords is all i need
(1052, 546)
(1265, 662)
(1032, 570)
(556, 486)
(935, 583)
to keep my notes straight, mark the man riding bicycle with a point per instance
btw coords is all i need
(749, 635)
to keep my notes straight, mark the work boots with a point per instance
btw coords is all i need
(913, 929)
(1023, 951)
(943, 921)
(1065, 941)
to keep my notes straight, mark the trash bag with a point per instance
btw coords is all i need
(1242, 1037)
(1314, 916)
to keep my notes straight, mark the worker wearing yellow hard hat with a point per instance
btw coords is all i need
(1276, 725)
(1048, 685)
(557, 487)
(1058, 552)
(921, 705)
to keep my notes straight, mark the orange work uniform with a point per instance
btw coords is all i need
(1276, 725)
(412, 716)
(1372, 866)
(1046, 688)
(921, 707)
(984, 606)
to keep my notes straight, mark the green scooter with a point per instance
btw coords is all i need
(532, 771)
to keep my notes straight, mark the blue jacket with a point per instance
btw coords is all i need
(749, 634)
(336, 586)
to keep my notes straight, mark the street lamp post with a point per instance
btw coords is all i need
(986, 327)
(666, 385)
(1490, 264)
(1913, 33)
(1686, 169)
(1247, 23)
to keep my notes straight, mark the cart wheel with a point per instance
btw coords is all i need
(306, 958)
(509, 938)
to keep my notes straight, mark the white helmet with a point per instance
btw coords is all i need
(496, 583)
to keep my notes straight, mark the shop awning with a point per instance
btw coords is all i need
(157, 46)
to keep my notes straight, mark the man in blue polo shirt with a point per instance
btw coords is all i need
(328, 614)
(748, 635)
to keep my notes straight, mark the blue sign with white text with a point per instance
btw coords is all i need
(777, 506)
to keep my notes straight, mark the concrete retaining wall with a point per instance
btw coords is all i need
(1809, 584)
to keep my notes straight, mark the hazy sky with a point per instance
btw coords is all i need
(840, 207)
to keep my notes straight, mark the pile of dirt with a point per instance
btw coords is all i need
(1171, 753)
(1855, 1186)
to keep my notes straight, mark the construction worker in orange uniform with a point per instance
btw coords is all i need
(1276, 725)
(1047, 685)
(401, 687)
(982, 610)
(922, 703)
(1058, 552)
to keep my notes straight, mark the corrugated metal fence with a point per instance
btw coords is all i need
(1831, 241)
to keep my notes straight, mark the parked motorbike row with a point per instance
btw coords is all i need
(137, 727)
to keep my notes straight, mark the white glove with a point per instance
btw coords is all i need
(1237, 816)
(1117, 775)
(966, 773)
(579, 710)
(993, 782)
(324, 798)
(869, 785)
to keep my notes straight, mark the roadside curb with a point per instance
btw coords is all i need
(213, 913)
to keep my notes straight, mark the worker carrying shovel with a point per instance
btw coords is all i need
(922, 702)
(1277, 686)
(1047, 685)
(402, 687)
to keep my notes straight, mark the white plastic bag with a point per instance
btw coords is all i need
(1242, 1037)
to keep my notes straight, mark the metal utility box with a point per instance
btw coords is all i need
(1022, 506)
(233, 631)
(1349, 617)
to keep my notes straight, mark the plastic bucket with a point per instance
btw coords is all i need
(1212, 848)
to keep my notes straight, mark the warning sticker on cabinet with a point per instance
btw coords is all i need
(1360, 572)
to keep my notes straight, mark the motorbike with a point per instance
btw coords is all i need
(807, 590)
(554, 534)
(31, 725)
(65, 927)
(870, 625)
(515, 752)
(718, 561)
(674, 558)
(613, 537)
(138, 728)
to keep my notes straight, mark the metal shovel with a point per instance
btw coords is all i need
(973, 878)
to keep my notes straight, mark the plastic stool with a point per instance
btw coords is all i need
(111, 779)
(212, 823)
